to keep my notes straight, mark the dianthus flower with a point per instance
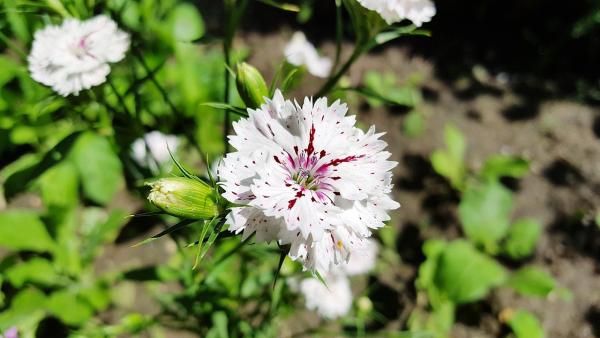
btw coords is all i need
(300, 52)
(417, 11)
(306, 177)
(75, 55)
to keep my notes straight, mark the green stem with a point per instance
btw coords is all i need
(233, 15)
(359, 49)
(155, 82)
(339, 26)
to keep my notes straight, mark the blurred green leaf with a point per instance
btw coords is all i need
(532, 281)
(382, 88)
(97, 296)
(498, 166)
(26, 310)
(525, 325)
(465, 274)
(23, 135)
(522, 238)
(23, 230)
(9, 70)
(98, 165)
(60, 185)
(414, 124)
(36, 270)
(450, 161)
(69, 308)
(484, 213)
(220, 324)
(186, 23)
(17, 21)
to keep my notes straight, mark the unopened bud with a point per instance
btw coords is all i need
(184, 197)
(251, 85)
(364, 304)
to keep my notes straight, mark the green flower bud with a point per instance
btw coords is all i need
(184, 197)
(251, 85)
(364, 304)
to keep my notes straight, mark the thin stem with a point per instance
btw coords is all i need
(339, 26)
(233, 14)
(359, 49)
(119, 98)
(150, 73)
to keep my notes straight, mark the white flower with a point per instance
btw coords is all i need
(417, 11)
(330, 301)
(308, 178)
(75, 55)
(362, 261)
(300, 52)
(156, 142)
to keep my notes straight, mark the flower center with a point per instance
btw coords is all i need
(306, 179)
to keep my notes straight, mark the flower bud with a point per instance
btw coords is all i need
(184, 197)
(251, 85)
(364, 304)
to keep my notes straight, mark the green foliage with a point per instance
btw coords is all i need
(69, 308)
(525, 325)
(98, 165)
(532, 281)
(521, 238)
(484, 213)
(36, 270)
(450, 161)
(465, 275)
(23, 230)
(186, 23)
(498, 166)
(414, 124)
(384, 89)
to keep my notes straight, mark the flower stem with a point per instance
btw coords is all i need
(359, 49)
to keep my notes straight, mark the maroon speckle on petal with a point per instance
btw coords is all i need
(291, 203)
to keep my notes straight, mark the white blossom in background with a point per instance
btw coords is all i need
(75, 55)
(417, 11)
(331, 301)
(335, 299)
(309, 178)
(300, 52)
(156, 142)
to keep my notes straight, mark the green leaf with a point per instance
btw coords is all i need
(186, 23)
(37, 270)
(414, 124)
(23, 230)
(26, 310)
(9, 69)
(175, 227)
(283, 6)
(450, 161)
(499, 166)
(60, 185)
(220, 324)
(223, 106)
(532, 281)
(466, 275)
(69, 308)
(522, 238)
(98, 165)
(387, 36)
(525, 325)
(484, 213)
(23, 135)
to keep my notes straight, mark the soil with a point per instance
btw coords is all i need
(498, 115)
